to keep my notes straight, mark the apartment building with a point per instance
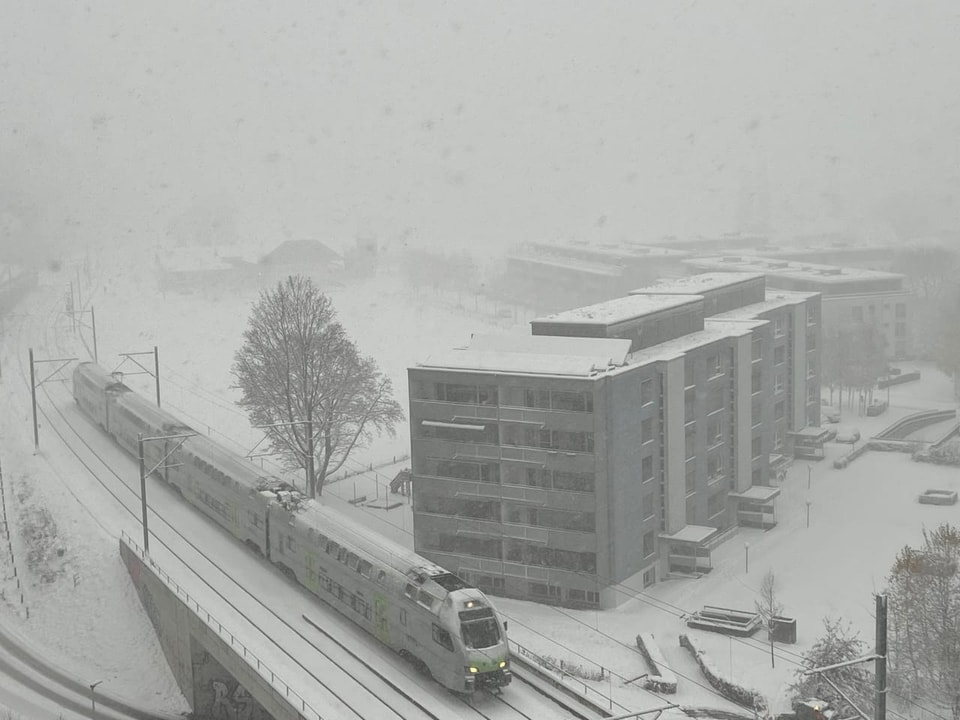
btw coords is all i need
(615, 445)
(850, 295)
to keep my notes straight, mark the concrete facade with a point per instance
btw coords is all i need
(616, 444)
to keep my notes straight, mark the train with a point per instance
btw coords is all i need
(431, 617)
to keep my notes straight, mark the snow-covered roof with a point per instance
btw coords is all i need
(568, 263)
(757, 493)
(618, 310)
(612, 250)
(535, 355)
(691, 534)
(795, 269)
(696, 284)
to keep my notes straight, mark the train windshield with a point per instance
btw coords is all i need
(479, 628)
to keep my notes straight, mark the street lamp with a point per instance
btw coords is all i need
(808, 513)
(746, 557)
(93, 699)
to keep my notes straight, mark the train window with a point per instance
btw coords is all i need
(290, 543)
(342, 554)
(403, 617)
(381, 577)
(426, 599)
(411, 592)
(352, 561)
(364, 567)
(442, 637)
(332, 548)
(322, 540)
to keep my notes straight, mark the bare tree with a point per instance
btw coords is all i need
(300, 372)
(769, 607)
(924, 594)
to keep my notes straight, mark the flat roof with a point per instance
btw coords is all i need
(760, 493)
(534, 355)
(618, 310)
(568, 263)
(796, 269)
(614, 249)
(691, 534)
(696, 284)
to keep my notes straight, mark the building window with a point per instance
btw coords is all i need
(757, 349)
(467, 394)
(688, 371)
(901, 311)
(813, 394)
(562, 400)
(778, 410)
(778, 327)
(648, 506)
(900, 330)
(778, 439)
(778, 383)
(546, 439)
(462, 470)
(811, 367)
(649, 545)
(756, 447)
(715, 400)
(779, 355)
(646, 392)
(714, 365)
(714, 432)
(646, 468)
(646, 430)
(857, 314)
(715, 468)
(690, 443)
(756, 380)
(811, 341)
(715, 505)
(689, 398)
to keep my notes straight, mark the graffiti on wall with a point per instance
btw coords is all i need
(218, 695)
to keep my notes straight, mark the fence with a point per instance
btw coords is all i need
(7, 535)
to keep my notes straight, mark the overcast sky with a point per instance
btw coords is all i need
(476, 122)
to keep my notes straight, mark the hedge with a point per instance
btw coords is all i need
(742, 696)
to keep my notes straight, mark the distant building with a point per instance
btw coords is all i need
(850, 295)
(562, 275)
(300, 257)
(617, 444)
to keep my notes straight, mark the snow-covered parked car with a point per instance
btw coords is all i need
(848, 435)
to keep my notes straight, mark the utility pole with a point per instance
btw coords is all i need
(881, 650)
(33, 402)
(180, 438)
(311, 481)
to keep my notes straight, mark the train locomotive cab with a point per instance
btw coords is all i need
(482, 635)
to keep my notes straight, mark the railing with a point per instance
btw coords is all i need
(545, 666)
(279, 688)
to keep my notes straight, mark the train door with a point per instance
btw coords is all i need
(381, 619)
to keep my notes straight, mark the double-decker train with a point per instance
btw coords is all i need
(411, 605)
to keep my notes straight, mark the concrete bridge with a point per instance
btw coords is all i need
(218, 675)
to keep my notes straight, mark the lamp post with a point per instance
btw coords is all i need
(93, 699)
(809, 474)
(808, 513)
(746, 557)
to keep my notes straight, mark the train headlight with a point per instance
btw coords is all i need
(474, 670)
(503, 663)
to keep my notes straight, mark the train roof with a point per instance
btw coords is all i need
(241, 469)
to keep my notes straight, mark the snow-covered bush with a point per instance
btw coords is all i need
(725, 686)
(661, 678)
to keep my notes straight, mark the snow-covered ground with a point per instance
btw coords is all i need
(84, 614)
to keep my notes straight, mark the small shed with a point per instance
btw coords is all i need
(401, 482)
